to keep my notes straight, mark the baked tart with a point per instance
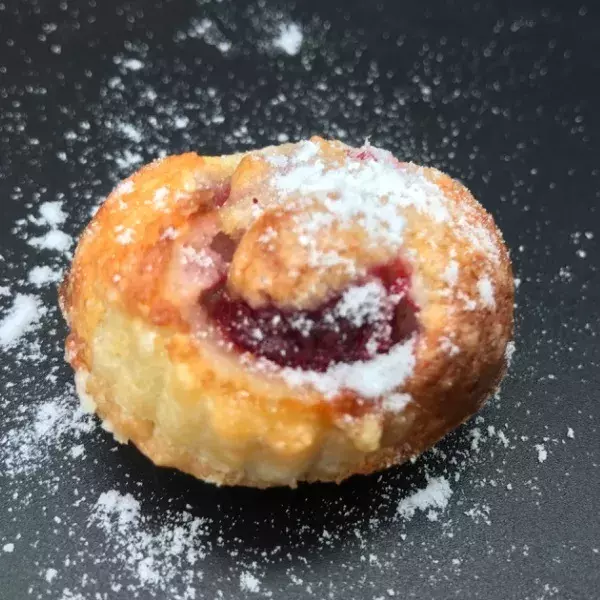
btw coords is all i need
(301, 312)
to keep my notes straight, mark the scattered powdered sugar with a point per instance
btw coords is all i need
(160, 197)
(289, 39)
(201, 258)
(130, 131)
(133, 64)
(124, 236)
(486, 291)
(249, 583)
(42, 275)
(373, 378)
(163, 559)
(55, 239)
(395, 403)
(367, 193)
(509, 352)
(450, 275)
(52, 213)
(208, 31)
(22, 317)
(434, 496)
(128, 159)
(23, 447)
(448, 346)
(362, 304)
(542, 453)
(114, 509)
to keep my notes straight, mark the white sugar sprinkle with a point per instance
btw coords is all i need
(77, 451)
(55, 239)
(249, 583)
(128, 130)
(43, 275)
(486, 291)
(133, 64)
(450, 275)
(160, 197)
(156, 557)
(509, 352)
(371, 194)
(128, 159)
(125, 187)
(396, 403)
(125, 509)
(8, 547)
(23, 449)
(542, 452)
(51, 213)
(371, 379)
(362, 304)
(435, 495)
(22, 316)
(289, 39)
(125, 237)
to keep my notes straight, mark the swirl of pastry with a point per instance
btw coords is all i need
(301, 312)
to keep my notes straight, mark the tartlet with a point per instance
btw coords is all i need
(297, 313)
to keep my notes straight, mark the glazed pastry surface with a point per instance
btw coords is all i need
(302, 312)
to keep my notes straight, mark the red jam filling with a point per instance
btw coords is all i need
(315, 339)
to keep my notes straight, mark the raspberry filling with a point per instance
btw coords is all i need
(365, 320)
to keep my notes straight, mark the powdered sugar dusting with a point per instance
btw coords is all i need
(509, 352)
(42, 275)
(370, 193)
(289, 39)
(486, 292)
(162, 560)
(371, 379)
(362, 303)
(249, 583)
(52, 422)
(434, 496)
(52, 213)
(395, 403)
(542, 453)
(450, 275)
(55, 239)
(116, 510)
(21, 318)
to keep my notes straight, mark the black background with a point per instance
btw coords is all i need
(503, 95)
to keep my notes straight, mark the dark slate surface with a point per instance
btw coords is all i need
(503, 95)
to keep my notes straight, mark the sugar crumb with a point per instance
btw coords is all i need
(289, 39)
(435, 495)
(21, 318)
(542, 453)
(249, 583)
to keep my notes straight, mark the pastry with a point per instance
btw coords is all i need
(302, 312)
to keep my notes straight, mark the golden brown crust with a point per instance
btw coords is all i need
(188, 402)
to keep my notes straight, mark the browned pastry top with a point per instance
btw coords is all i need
(346, 278)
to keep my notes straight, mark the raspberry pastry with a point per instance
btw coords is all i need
(301, 312)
